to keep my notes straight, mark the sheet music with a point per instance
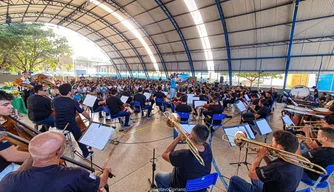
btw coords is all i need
(246, 97)
(231, 131)
(240, 106)
(97, 136)
(166, 93)
(190, 98)
(249, 131)
(124, 99)
(147, 95)
(287, 121)
(89, 100)
(263, 126)
(199, 103)
(187, 127)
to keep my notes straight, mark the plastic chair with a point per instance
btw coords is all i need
(161, 103)
(184, 115)
(112, 117)
(202, 183)
(138, 105)
(216, 117)
(323, 184)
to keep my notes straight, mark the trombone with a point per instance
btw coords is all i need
(240, 139)
(299, 127)
(313, 122)
(173, 121)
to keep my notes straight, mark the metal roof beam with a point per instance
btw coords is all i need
(177, 28)
(227, 42)
(226, 18)
(288, 59)
(120, 8)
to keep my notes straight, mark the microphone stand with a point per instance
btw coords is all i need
(152, 185)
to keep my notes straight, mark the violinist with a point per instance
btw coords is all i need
(162, 96)
(46, 174)
(263, 112)
(9, 155)
(183, 107)
(115, 105)
(65, 112)
(214, 108)
(142, 100)
(39, 108)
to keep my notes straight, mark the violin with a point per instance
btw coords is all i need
(23, 144)
(206, 106)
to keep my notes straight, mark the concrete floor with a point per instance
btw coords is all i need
(130, 160)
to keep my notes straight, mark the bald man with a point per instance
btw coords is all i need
(47, 175)
(9, 155)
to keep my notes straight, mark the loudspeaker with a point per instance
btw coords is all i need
(221, 79)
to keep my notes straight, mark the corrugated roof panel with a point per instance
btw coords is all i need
(217, 41)
(194, 44)
(165, 48)
(158, 39)
(172, 36)
(177, 7)
(315, 8)
(154, 28)
(272, 64)
(135, 8)
(315, 28)
(178, 46)
(305, 63)
(221, 66)
(219, 54)
(165, 26)
(242, 38)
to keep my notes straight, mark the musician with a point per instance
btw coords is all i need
(9, 155)
(47, 175)
(115, 106)
(96, 106)
(263, 112)
(330, 112)
(183, 107)
(65, 112)
(255, 102)
(322, 156)
(142, 100)
(277, 175)
(186, 166)
(39, 108)
(172, 87)
(162, 96)
(26, 92)
(214, 108)
(315, 94)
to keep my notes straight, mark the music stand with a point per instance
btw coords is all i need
(152, 184)
(240, 106)
(96, 136)
(263, 127)
(230, 132)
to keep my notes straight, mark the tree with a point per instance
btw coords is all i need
(254, 76)
(29, 47)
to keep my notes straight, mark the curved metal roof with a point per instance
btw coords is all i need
(245, 35)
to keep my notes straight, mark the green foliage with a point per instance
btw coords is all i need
(29, 47)
(254, 76)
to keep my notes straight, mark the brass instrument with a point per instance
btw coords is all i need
(313, 122)
(173, 121)
(299, 127)
(303, 137)
(240, 139)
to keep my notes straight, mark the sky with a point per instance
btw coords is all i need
(81, 45)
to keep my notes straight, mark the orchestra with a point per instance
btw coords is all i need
(65, 109)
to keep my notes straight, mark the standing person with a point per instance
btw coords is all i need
(277, 175)
(172, 88)
(26, 92)
(315, 94)
(39, 108)
(9, 155)
(186, 166)
(46, 174)
(65, 112)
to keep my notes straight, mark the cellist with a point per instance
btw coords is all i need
(9, 155)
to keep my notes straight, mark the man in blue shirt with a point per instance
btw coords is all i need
(172, 88)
